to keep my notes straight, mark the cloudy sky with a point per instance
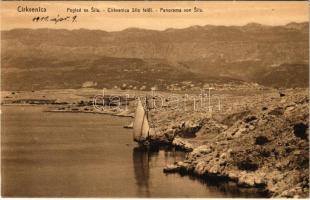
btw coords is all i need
(215, 13)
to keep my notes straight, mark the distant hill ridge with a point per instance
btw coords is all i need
(247, 53)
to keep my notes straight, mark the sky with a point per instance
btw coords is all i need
(214, 13)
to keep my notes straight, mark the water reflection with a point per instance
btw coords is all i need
(141, 170)
(146, 159)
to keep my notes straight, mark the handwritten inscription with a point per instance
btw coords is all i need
(55, 20)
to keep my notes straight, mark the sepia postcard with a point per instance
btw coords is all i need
(155, 99)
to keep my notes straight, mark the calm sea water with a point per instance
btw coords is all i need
(86, 155)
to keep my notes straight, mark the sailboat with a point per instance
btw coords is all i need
(141, 127)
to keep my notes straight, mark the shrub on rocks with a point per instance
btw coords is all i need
(261, 140)
(250, 119)
(277, 111)
(247, 165)
(300, 130)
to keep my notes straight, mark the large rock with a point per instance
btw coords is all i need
(182, 144)
(172, 168)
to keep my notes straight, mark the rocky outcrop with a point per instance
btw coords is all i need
(265, 147)
(181, 144)
(173, 134)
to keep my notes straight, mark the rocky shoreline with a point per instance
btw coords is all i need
(265, 146)
(94, 112)
(262, 144)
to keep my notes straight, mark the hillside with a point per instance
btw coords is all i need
(103, 72)
(67, 58)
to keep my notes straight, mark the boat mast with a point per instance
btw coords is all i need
(147, 113)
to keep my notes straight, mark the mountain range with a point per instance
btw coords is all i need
(274, 56)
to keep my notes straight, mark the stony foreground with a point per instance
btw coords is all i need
(264, 144)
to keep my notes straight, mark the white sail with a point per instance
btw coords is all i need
(140, 125)
(145, 128)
